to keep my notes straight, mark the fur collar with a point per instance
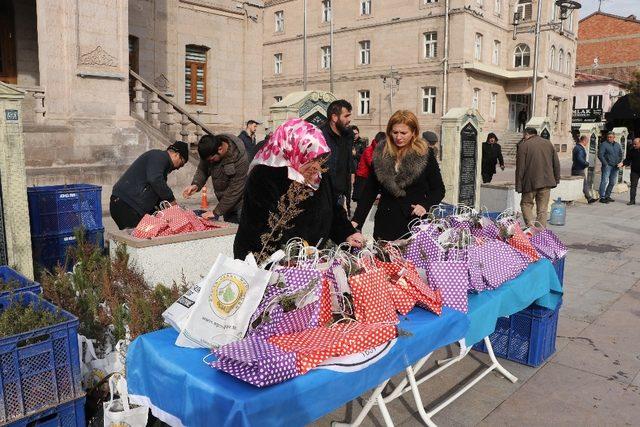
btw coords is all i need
(410, 169)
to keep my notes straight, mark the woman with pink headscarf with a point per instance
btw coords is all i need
(294, 153)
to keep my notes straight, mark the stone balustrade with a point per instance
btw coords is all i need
(155, 108)
(34, 108)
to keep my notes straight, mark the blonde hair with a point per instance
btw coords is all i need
(417, 144)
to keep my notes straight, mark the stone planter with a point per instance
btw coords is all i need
(497, 197)
(168, 259)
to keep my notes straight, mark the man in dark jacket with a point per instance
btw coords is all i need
(223, 158)
(248, 137)
(522, 119)
(537, 172)
(491, 155)
(633, 159)
(579, 164)
(143, 186)
(340, 140)
(610, 155)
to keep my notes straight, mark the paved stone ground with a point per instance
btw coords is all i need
(594, 376)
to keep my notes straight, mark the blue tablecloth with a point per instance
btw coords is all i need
(538, 283)
(176, 380)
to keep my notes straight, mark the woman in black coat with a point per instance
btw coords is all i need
(293, 154)
(491, 154)
(407, 177)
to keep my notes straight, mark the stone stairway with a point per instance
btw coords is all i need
(508, 142)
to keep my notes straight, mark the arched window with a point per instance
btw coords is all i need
(552, 58)
(569, 63)
(560, 61)
(522, 56)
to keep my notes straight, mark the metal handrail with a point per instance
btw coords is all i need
(166, 99)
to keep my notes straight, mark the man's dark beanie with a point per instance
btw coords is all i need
(181, 148)
(430, 137)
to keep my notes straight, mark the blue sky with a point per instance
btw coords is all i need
(616, 7)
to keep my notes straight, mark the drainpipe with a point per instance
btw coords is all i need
(331, 52)
(445, 60)
(534, 86)
(304, 47)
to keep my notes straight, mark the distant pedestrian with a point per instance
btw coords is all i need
(522, 119)
(432, 141)
(364, 165)
(248, 137)
(223, 158)
(491, 155)
(610, 155)
(261, 144)
(537, 172)
(579, 166)
(339, 137)
(633, 159)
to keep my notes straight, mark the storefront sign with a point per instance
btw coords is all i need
(587, 115)
(468, 165)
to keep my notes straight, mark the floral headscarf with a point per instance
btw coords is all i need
(294, 143)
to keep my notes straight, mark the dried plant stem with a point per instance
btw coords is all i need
(280, 221)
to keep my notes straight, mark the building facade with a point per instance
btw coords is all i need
(609, 45)
(465, 56)
(86, 118)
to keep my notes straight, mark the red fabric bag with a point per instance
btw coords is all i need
(149, 226)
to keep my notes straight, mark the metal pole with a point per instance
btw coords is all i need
(445, 61)
(331, 48)
(304, 47)
(536, 55)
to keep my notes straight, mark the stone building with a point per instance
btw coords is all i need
(609, 45)
(484, 66)
(86, 117)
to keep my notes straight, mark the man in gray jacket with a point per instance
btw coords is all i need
(224, 159)
(537, 172)
(610, 155)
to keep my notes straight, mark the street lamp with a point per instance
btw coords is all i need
(566, 8)
(391, 81)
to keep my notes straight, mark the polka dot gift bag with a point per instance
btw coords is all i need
(294, 306)
(150, 226)
(451, 278)
(423, 247)
(520, 241)
(370, 293)
(496, 262)
(546, 243)
(256, 361)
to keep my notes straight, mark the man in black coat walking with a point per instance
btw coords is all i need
(339, 137)
(633, 159)
(491, 155)
(143, 186)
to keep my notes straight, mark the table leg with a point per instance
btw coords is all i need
(376, 397)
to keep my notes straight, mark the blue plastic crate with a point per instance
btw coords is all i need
(8, 274)
(70, 414)
(445, 209)
(559, 266)
(525, 337)
(52, 250)
(39, 369)
(58, 209)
